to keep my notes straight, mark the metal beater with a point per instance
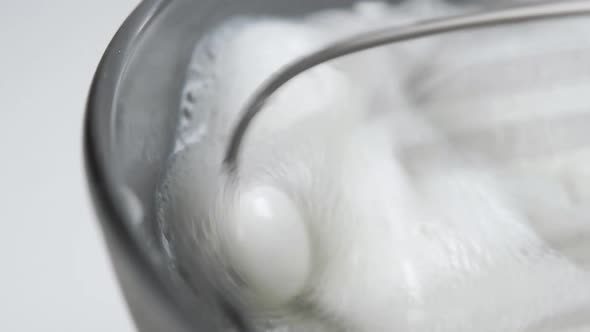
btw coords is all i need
(365, 41)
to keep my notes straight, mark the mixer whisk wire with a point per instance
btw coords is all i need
(365, 41)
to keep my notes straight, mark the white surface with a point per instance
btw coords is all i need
(55, 274)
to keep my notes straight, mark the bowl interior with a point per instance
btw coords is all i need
(140, 93)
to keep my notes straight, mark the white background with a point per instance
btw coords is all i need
(54, 271)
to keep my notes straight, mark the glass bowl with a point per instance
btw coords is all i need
(131, 122)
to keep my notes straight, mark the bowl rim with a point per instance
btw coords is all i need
(118, 236)
(96, 171)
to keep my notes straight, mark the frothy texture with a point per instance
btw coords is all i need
(424, 186)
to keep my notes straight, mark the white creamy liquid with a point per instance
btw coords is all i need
(437, 185)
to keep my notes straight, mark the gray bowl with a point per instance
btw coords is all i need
(131, 122)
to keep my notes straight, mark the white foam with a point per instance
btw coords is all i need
(356, 234)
